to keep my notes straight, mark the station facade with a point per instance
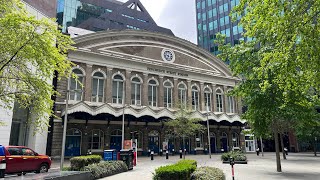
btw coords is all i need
(143, 76)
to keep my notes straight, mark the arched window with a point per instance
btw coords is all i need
(195, 98)
(136, 91)
(167, 94)
(97, 87)
(182, 93)
(219, 100)
(207, 99)
(231, 104)
(75, 87)
(152, 93)
(199, 140)
(235, 139)
(96, 139)
(117, 89)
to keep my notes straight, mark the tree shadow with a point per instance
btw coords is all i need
(293, 175)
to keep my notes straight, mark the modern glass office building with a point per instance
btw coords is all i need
(99, 15)
(213, 18)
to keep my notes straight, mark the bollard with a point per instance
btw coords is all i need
(232, 169)
(149, 153)
(185, 151)
(180, 151)
(160, 152)
(167, 154)
(152, 155)
(195, 152)
(173, 152)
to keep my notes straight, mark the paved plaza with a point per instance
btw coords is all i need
(298, 166)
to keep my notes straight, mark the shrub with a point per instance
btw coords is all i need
(77, 163)
(208, 173)
(237, 156)
(180, 171)
(105, 168)
(66, 169)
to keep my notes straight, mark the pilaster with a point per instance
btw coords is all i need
(201, 93)
(127, 86)
(225, 99)
(145, 90)
(175, 92)
(108, 88)
(88, 83)
(161, 92)
(214, 98)
(189, 95)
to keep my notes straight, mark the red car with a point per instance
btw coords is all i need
(20, 160)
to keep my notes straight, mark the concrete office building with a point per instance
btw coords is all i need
(212, 18)
(99, 15)
(16, 131)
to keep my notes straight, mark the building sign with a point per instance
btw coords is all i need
(173, 73)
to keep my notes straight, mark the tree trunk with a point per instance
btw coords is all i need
(261, 144)
(282, 146)
(184, 154)
(315, 147)
(276, 141)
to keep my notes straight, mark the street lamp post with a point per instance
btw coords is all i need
(64, 132)
(209, 144)
(124, 105)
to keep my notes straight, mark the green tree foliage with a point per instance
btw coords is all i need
(184, 125)
(309, 131)
(31, 51)
(280, 66)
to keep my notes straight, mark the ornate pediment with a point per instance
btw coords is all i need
(153, 48)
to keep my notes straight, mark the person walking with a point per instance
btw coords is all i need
(258, 151)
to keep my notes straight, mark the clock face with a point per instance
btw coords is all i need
(168, 55)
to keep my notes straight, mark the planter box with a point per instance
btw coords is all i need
(236, 162)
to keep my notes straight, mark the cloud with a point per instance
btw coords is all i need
(177, 15)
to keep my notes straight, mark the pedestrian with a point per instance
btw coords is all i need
(258, 151)
(285, 150)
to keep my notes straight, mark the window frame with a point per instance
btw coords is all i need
(194, 95)
(118, 100)
(154, 90)
(167, 95)
(99, 78)
(136, 86)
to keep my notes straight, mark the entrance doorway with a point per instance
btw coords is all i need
(213, 142)
(115, 139)
(73, 143)
(250, 146)
(186, 144)
(224, 142)
(154, 140)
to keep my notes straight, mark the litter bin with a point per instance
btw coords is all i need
(110, 155)
(127, 157)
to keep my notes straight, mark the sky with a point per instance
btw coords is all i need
(177, 15)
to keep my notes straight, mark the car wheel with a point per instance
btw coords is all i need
(19, 174)
(24, 173)
(43, 168)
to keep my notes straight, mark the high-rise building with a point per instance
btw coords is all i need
(213, 18)
(99, 15)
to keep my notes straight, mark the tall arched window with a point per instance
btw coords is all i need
(182, 93)
(97, 87)
(75, 87)
(231, 108)
(167, 94)
(235, 139)
(207, 99)
(136, 91)
(96, 139)
(117, 89)
(195, 98)
(152, 93)
(219, 100)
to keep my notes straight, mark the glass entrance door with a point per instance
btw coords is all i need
(250, 146)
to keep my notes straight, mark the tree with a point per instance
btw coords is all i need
(279, 67)
(310, 132)
(184, 124)
(31, 51)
